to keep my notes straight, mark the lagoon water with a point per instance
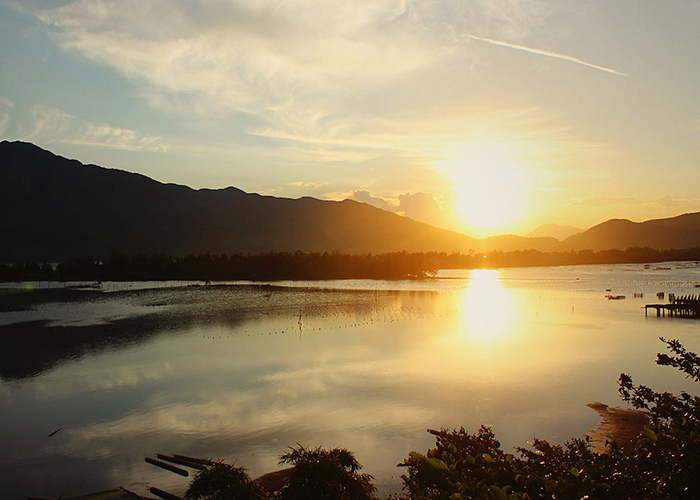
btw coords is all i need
(243, 371)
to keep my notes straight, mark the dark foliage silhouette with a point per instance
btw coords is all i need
(663, 465)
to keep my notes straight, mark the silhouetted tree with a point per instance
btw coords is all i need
(321, 474)
(222, 481)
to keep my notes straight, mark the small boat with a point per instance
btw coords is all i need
(639, 294)
(660, 295)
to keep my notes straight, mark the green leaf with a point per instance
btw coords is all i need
(643, 442)
(574, 471)
(487, 458)
(649, 434)
(437, 464)
(497, 492)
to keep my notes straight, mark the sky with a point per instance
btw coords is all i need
(481, 116)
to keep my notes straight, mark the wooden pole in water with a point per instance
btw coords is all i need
(182, 461)
(202, 461)
(171, 468)
(164, 494)
(136, 495)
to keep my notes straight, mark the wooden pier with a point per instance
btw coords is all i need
(687, 306)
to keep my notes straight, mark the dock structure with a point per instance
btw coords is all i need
(686, 306)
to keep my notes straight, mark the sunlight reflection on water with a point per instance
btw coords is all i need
(244, 372)
(489, 310)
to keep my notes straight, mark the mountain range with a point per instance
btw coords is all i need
(53, 208)
(554, 231)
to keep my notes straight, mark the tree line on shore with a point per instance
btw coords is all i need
(315, 265)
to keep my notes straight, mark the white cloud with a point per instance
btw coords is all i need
(55, 125)
(420, 206)
(278, 60)
(303, 71)
(4, 120)
(305, 185)
(4, 115)
(364, 196)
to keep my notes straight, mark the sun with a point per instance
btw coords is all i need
(488, 188)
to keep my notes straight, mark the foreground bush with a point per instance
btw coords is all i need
(664, 465)
(221, 481)
(317, 474)
(325, 475)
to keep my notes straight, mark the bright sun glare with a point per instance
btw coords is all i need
(488, 187)
(488, 309)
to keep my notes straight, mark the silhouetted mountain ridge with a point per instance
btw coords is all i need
(554, 231)
(52, 208)
(682, 231)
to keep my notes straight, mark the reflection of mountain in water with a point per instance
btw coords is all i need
(32, 348)
(39, 343)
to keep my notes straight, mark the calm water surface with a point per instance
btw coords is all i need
(241, 372)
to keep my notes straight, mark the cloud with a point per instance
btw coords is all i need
(420, 206)
(610, 202)
(303, 72)
(662, 202)
(423, 207)
(547, 53)
(305, 185)
(291, 64)
(4, 120)
(4, 115)
(55, 125)
(364, 196)
(318, 84)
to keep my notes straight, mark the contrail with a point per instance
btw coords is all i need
(547, 53)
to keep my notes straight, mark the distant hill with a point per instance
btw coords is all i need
(682, 231)
(511, 243)
(554, 231)
(52, 208)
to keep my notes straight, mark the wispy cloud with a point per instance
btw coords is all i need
(658, 203)
(4, 116)
(305, 185)
(290, 70)
(55, 125)
(547, 53)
